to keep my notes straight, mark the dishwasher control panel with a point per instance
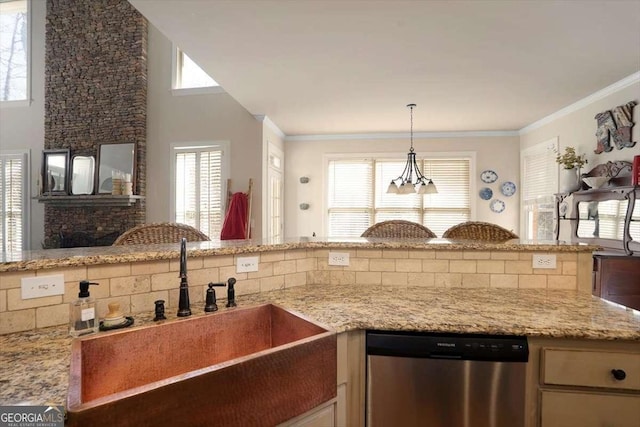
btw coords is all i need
(503, 348)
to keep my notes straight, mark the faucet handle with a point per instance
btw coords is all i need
(159, 310)
(210, 302)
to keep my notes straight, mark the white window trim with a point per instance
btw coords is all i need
(24, 102)
(540, 147)
(175, 91)
(271, 149)
(225, 146)
(26, 186)
(397, 156)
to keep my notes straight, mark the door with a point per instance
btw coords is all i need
(275, 199)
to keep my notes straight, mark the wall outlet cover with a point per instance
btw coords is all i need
(544, 261)
(247, 264)
(339, 258)
(42, 286)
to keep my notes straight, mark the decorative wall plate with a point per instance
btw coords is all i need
(508, 188)
(497, 206)
(486, 193)
(488, 176)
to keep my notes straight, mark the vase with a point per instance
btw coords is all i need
(569, 180)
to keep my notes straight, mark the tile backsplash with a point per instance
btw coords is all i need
(136, 285)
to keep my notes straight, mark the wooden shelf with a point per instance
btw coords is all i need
(89, 200)
(631, 193)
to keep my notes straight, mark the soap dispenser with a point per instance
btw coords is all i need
(82, 312)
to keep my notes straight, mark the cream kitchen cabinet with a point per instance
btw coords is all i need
(584, 383)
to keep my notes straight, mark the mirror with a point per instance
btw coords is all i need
(605, 220)
(115, 160)
(82, 173)
(55, 164)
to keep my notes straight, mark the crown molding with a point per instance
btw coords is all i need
(396, 135)
(596, 96)
(269, 123)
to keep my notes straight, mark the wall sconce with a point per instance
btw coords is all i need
(304, 179)
(304, 206)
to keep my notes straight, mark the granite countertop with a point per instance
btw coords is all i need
(35, 364)
(56, 258)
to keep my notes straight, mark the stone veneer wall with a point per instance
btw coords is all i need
(136, 285)
(95, 92)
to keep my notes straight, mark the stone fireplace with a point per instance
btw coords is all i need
(95, 92)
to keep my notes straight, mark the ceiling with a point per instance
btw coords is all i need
(336, 67)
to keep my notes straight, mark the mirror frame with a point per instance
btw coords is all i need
(45, 171)
(92, 174)
(99, 165)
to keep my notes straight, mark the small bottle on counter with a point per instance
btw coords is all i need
(82, 312)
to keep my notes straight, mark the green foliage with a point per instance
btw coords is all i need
(570, 159)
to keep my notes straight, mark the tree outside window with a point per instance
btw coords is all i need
(14, 46)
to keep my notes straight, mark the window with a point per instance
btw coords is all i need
(198, 196)
(275, 196)
(13, 201)
(14, 50)
(539, 183)
(188, 75)
(357, 195)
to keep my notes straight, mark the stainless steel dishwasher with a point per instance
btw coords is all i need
(445, 380)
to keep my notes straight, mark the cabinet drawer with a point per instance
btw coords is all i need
(590, 368)
(566, 409)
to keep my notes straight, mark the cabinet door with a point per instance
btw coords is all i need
(323, 417)
(620, 281)
(571, 409)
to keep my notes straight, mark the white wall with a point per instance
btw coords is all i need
(578, 128)
(306, 158)
(170, 119)
(269, 136)
(22, 127)
(210, 117)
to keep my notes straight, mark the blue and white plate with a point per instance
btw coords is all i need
(497, 206)
(486, 193)
(488, 176)
(508, 188)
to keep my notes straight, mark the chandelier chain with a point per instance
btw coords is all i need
(411, 108)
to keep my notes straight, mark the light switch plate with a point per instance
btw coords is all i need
(544, 261)
(42, 286)
(339, 258)
(247, 264)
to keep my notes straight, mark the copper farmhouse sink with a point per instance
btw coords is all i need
(256, 366)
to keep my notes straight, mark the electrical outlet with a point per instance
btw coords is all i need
(42, 286)
(339, 258)
(247, 264)
(544, 261)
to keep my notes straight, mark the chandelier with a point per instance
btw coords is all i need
(405, 184)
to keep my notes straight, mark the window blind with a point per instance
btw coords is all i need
(350, 197)
(452, 204)
(539, 183)
(198, 196)
(357, 195)
(12, 200)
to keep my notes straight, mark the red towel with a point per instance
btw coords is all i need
(235, 222)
